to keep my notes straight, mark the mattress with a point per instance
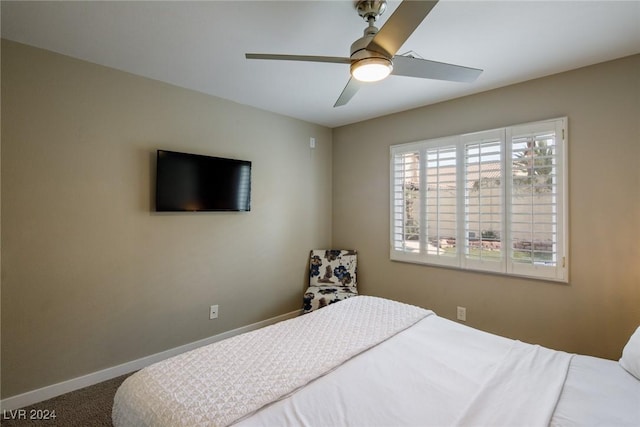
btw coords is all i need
(424, 370)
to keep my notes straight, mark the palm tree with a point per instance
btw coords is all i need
(537, 161)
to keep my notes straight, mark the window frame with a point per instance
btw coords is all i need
(557, 269)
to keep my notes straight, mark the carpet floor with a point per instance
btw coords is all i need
(87, 407)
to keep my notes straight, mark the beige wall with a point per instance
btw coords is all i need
(91, 276)
(600, 307)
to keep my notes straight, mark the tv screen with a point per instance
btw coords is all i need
(191, 182)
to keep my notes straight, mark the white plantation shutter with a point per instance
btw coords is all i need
(491, 201)
(440, 203)
(423, 195)
(405, 203)
(536, 200)
(483, 200)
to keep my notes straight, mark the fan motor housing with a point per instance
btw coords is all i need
(359, 51)
(359, 47)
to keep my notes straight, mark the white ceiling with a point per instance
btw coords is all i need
(201, 45)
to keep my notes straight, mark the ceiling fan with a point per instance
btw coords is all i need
(373, 56)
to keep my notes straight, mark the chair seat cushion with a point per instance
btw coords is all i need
(319, 296)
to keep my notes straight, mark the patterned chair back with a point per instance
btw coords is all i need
(333, 268)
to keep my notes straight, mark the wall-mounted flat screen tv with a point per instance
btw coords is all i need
(191, 182)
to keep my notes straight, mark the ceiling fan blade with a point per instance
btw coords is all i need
(347, 93)
(309, 58)
(423, 68)
(400, 25)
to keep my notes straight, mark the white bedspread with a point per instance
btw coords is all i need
(522, 390)
(431, 374)
(220, 383)
(435, 372)
(598, 392)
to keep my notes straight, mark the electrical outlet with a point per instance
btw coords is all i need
(312, 142)
(462, 313)
(213, 312)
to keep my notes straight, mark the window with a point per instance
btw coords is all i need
(488, 201)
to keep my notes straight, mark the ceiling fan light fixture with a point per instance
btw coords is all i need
(371, 69)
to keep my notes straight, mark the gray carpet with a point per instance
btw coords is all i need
(87, 407)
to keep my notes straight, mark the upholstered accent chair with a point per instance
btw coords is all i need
(332, 277)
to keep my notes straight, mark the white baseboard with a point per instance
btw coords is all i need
(48, 392)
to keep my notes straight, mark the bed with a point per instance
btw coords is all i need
(368, 361)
